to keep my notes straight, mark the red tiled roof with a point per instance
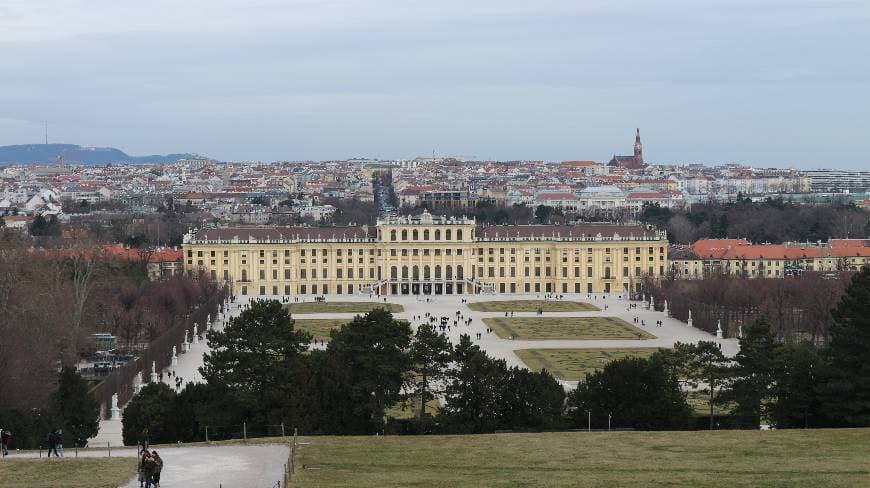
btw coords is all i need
(716, 248)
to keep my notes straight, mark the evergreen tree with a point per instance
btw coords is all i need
(255, 360)
(44, 227)
(846, 388)
(368, 361)
(707, 368)
(77, 410)
(431, 354)
(483, 395)
(795, 374)
(752, 375)
(531, 400)
(473, 395)
(152, 408)
(630, 393)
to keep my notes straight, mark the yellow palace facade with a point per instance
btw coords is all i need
(428, 255)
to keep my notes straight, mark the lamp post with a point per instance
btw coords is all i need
(589, 421)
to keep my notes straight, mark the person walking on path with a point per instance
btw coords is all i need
(158, 461)
(5, 440)
(143, 440)
(148, 467)
(51, 440)
(59, 439)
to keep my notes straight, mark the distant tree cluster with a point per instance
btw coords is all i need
(350, 211)
(260, 374)
(53, 299)
(797, 308)
(773, 220)
(785, 385)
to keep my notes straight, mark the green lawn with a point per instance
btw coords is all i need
(565, 328)
(726, 459)
(342, 307)
(68, 472)
(531, 306)
(319, 328)
(573, 364)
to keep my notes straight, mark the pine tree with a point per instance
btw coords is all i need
(431, 354)
(752, 375)
(846, 386)
(77, 410)
(255, 359)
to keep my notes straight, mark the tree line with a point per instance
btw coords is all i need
(797, 308)
(261, 372)
(772, 220)
(53, 299)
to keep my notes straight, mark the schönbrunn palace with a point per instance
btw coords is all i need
(427, 254)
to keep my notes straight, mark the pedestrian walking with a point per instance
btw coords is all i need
(158, 468)
(51, 440)
(5, 440)
(144, 440)
(59, 440)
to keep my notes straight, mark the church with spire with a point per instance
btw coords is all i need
(631, 162)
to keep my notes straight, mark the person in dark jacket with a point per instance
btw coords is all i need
(52, 443)
(148, 467)
(158, 468)
(5, 440)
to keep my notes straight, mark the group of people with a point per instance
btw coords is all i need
(54, 439)
(150, 466)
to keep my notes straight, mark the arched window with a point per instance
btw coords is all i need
(415, 234)
(244, 275)
(416, 271)
(426, 235)
(447, 235)
(394, 272)
(393, 235)
(404, 234)
(459, 234)
(437, 234)
(449, 270)
(459, 272)
(437, 272)
(404, 272)
(426, 275)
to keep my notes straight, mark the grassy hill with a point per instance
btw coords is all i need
(692, 459)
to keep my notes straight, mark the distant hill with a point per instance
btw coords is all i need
(72, 153)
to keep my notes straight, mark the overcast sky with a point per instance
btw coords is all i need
(767, 82)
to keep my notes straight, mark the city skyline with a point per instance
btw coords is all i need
(769, 83)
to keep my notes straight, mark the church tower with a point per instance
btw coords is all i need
(638, 149)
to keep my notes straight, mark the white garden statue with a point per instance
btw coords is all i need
(115, 411)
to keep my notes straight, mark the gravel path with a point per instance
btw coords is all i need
(237, 466)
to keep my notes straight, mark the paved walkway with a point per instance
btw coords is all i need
(242, 466)
(671, 331)
(230, 466)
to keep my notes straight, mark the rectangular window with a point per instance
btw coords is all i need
(589, 272)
